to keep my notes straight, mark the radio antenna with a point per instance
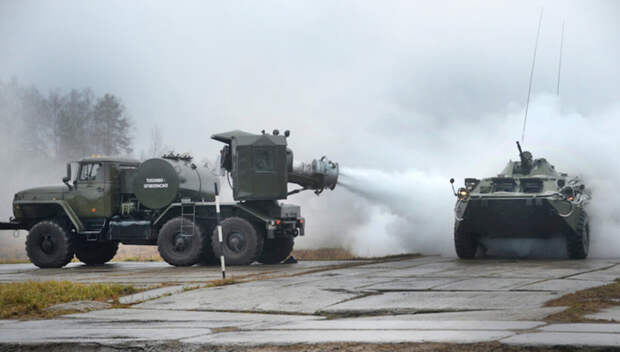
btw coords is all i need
(557, 90)
(529, 90)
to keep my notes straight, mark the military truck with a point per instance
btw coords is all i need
(528, 199)
(170, 202)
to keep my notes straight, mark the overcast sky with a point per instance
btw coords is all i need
(347, 70)
(385, 85)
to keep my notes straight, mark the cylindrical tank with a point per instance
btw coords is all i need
(161, 181)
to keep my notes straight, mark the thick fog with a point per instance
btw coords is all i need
(404, 95)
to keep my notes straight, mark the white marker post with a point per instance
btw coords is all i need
(219, 231)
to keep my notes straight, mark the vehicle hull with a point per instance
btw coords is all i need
(517, 217)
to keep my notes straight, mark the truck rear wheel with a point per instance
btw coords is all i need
(242, 244)
(578, 242)
(49, 245)
(180, 242)
(276, 250)
(96, 253)
(465, 244)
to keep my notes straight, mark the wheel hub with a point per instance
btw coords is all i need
(47, 244)
(180, 242)
(236, 242)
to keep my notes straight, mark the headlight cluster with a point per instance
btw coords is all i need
(463, 193)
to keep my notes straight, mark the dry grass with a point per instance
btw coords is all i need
(323, 254)
(14, 261)
(338, 254)
(584, 302)
(29, 299)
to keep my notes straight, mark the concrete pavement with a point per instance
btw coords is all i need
(421, 300)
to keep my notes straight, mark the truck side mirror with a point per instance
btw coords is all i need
(67, 178)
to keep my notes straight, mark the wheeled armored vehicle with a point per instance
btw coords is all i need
(528, 199)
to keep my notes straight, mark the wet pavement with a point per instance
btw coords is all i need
(426, 299)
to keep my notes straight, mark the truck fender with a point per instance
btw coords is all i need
(61, 205)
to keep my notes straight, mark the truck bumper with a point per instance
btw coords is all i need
(288, 227)
(13, 225)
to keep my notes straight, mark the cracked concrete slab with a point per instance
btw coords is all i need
(583, 327)
(565, 286)
(398, 324)
(150, 273)
(254, 297)
(442, 301)
(484, 284)
(533, 313)
(414, 283)
(254, 338)
(46, 331)
(208, 319)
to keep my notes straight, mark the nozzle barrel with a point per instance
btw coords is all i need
(319, 174)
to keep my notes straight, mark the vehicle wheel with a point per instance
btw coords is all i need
(180, 242)
(465, 244)
(241, 243)
(578, 242)
(49, 245)
(96, 253)
(276, 250)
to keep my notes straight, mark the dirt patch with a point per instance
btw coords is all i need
(585, 302)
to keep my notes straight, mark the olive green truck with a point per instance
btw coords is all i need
(171, 202)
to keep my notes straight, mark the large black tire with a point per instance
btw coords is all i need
(242, 244)
(276, 250)
(180, 242)
(96, 253)
(465, 244)
(578, 242)
(49, 245)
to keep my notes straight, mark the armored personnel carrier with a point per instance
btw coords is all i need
(528, 199)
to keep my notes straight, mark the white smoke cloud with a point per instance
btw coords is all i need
(410, 210)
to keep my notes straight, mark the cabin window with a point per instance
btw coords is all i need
(91, 172)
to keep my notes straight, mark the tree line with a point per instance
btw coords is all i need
(61, 125)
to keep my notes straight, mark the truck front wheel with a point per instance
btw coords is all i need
(96, 253)
(276, 250)
(241, 243)
(49, 245)
(180, 242)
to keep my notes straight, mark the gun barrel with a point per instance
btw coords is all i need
(318, 174)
